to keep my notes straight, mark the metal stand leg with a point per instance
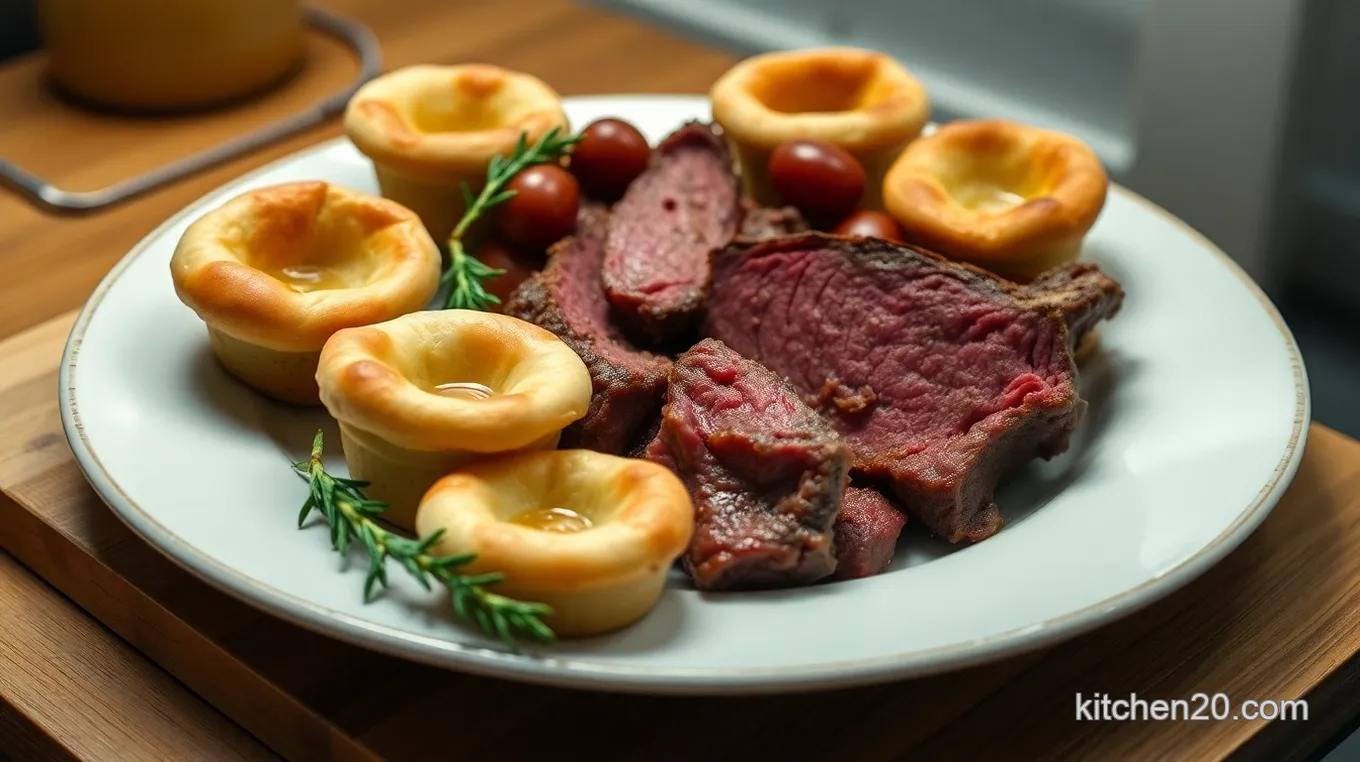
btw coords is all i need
(51, 198)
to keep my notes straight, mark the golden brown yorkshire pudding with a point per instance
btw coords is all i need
(591, 535)
(430, 128)
(1012, 198)
(421, 395)
(274, 272)
(860, 100)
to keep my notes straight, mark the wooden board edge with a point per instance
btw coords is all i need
(36, 717)
(209, 670)
(1333, 705)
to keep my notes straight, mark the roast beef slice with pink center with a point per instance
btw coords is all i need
(936, 374)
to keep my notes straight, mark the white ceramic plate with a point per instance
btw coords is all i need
(1197, 421)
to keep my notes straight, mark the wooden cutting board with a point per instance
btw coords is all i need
(1278, 619)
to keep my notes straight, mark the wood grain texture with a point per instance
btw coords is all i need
(72, 691)
(1278, 619)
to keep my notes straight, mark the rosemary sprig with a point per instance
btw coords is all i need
(466, 272)
(350, 516)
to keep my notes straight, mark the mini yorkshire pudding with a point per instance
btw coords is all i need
(1012, 198)
(591, 535)
(421, 395)
(430, 128)
(860, 100)
(274, 272)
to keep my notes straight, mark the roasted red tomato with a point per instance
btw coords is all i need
(543, 209)
(871, 224)
(822, 180)
(610, 155)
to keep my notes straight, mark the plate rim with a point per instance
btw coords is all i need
(547, 669)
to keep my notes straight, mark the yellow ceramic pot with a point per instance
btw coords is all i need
(169, 54)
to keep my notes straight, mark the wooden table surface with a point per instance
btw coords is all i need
(1278, 619)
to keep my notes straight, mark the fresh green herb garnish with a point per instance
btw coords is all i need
(350, 516)
(466, 272)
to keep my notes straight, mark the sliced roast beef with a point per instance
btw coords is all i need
(937, 375)
(661, 231)
(866, 533)
(567, 299)
(1083, 293)
(767, 474)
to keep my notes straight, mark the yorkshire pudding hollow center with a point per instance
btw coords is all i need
(820, 86)
(567, 504)
(560, 520)
(465, 389)
(480, 362)
(310, 240)
(471, 101)
(306, 277)
(987, 197)
(993, 182)
(444, 111)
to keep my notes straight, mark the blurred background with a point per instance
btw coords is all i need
(1237, 115)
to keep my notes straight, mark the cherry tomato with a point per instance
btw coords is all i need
(610, 155)
(822, 180)
(871, 224)
(543, 209)
(517, 265)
